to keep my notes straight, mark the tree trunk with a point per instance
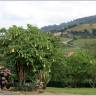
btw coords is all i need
(21, 74)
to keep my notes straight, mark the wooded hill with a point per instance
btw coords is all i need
(84, 20)
(80, 27)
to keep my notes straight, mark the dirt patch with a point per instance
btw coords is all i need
(32, 93)
(12, 92)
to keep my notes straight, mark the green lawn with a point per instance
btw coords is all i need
(82, 42)
(80, 91)
(64, 39)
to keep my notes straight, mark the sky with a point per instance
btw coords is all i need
(43, 13)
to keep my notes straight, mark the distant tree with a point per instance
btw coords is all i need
(3, 30)
(77, 68)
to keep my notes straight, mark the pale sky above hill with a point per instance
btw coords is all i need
(41, 13)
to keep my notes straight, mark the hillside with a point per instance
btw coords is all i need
(76, 22)
(83, 27)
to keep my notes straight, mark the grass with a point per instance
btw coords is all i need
(64, 39)
(82, 42)
(87, 44)
(79, 91)
(82, 27)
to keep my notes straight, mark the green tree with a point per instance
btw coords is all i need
(77, 68)
(29, 50)
(72, 70)
(91, 73)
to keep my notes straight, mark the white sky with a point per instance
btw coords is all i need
(41, 13)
